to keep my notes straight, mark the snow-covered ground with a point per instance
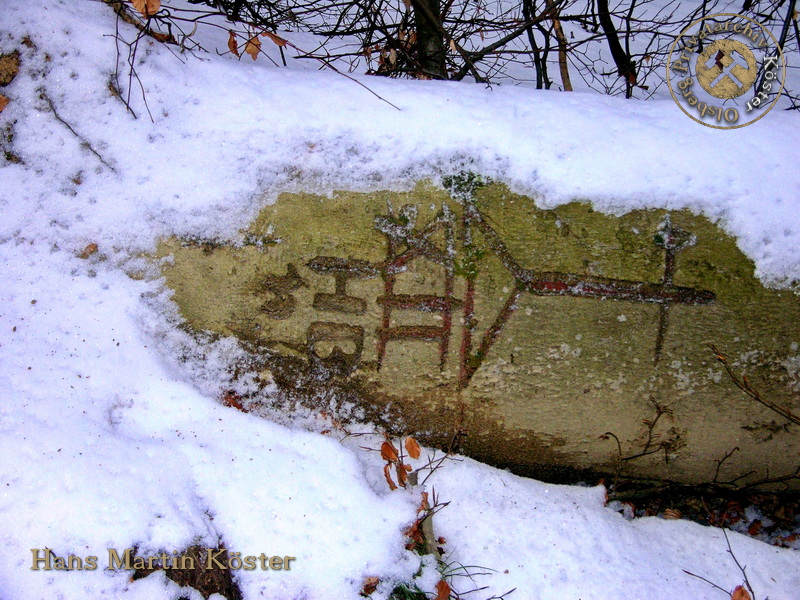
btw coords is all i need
(110, 441)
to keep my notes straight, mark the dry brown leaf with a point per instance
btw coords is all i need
(412, 447)
(423, 505)
(277, 40)
(393, 57)
(672, 513)
(442, 590)
(413, 532)
(233, 400)
(232, 45)
(147, 7)
(755, 527)
(414, 535)
(402, 475)
(3, 102)
(88, 251)
(388, 476)
(253, 47)
(9, 67)
(164, 38)
(389, 452)
(370, 585)
(739, 593)
(453, 48)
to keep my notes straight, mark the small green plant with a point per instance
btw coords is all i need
(406, 591)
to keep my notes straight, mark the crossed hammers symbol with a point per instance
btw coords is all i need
(738, 60)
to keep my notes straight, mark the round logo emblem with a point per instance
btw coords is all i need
(725, 71)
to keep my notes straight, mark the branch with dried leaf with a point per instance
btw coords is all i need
(396, 459)
(148, 9)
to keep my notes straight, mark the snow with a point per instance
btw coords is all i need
(111, 440)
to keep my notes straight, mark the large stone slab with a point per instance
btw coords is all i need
(526, 337)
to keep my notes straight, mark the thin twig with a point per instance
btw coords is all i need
(132, 73)
(327, 63)
(117, 88)
(722, 460)
(767, 481)
(605, 436)
(711, 583)
(447, 455)
(741, 568)
(744, 385)
(84, 142)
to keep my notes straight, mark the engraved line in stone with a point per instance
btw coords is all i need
(551, 283)
(490, 337)
(672, 240)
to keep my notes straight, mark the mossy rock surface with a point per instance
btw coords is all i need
(530, 333)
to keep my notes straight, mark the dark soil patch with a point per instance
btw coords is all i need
(772, 517)
(206, 581)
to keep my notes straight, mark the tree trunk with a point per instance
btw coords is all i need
(562, 55)
(626, 67)
(430, 39)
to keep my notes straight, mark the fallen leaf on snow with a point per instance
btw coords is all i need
(9, 67)
(88, 251)
(370, 585)
(442, 590)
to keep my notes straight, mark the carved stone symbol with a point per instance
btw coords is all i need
(338, 362)
(541, 283)
(342, 269)
(405, 244)
(282, 304)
